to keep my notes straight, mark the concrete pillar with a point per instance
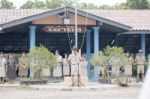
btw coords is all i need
(143, 43)
(96, 49)
(32, 33)
(88, 52)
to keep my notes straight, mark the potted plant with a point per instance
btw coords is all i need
(40, 60)
(118, 59)
(100, 60)
(112, 56)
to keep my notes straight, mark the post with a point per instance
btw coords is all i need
(76, 26)
(32, 36)
(96, 49)
(143, 43)
(88, 52)
(32, 33)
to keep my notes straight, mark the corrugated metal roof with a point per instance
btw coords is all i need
(138, 19)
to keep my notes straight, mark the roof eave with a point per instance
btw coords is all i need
(137, 32)
(59, 10)
(101, 19)
(31, 18)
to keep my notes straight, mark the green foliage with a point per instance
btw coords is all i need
(53, 3)
(40, 57)
(120, 6)
(39, 4)
(138, 4)
(99, 59)
(16, 57)
(145, 66)
(27, 5)
(50, 4)
(4, 4)
(134, 68)
(105, 7)
(116, 55)
(33, 5)
(87, 6)
(58, 3)
(113, 56)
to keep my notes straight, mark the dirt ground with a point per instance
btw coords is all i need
(131, 92)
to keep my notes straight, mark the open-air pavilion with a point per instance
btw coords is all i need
(21, 30)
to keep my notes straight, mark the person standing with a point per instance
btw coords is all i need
(128, 69)
(140, 59)
(57, 71)
(66, 69)
(83, 66)
(45, 73)
(74, 62)
(23, 68)
(2, 68)
(11, 68)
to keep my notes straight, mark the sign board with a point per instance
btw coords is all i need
(63, 29)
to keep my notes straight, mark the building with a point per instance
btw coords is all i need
(21, 30)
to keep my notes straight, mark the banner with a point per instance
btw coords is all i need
(63, 29)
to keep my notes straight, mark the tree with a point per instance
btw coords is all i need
(105, 7)
(120, 6)
(4, 4)
(138, 4)
(50, 4)
(37, 4)
(27, 5)
(87, 6)
(58, 3)
(53, 3)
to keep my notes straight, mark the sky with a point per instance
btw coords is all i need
(18, 3)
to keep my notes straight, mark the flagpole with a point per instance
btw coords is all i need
(76, 25)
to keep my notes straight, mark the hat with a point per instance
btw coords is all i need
(140, 51)
(75, 48)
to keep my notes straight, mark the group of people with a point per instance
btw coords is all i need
(79, 66)
(9, 67)
(77, 63)
(71, 65)
(74, 65)
(139, 60)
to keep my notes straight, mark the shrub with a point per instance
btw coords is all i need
(38, 58)
(112, 56)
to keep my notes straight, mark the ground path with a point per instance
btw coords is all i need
(130, 92)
